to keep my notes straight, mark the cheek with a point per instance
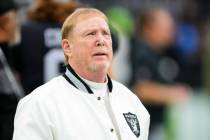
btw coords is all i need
(82, 54)
(12, 22)
(11, 28)
(111, 49)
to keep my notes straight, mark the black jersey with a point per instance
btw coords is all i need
(40, 56)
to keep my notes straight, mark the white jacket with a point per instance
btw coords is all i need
(59, 111)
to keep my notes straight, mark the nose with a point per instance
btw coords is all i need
(100, 41)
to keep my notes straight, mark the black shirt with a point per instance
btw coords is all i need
(152, 65)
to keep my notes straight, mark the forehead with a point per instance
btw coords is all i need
(163, 17)
(91, 21)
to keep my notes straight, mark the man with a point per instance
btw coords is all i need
(154, 73)
(46, 55)
(10, 90)
(84, 103)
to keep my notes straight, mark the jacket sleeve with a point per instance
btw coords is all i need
(31, 121)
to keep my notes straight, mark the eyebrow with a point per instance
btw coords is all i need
(94, 29)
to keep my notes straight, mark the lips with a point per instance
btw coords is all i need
(100, 54)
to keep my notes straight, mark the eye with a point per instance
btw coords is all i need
(91, 33)
(106, 33)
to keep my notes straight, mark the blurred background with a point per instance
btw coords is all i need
(161, 52)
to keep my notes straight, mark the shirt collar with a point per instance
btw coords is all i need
(81, 83)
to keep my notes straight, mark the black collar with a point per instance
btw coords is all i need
(69, 76)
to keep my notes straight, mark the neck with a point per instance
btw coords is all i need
(95, 76)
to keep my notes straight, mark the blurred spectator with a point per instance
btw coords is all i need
(39, 55)
(154, 74)
(189, 45)
(10, 91)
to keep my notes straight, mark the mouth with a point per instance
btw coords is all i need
(100, 54)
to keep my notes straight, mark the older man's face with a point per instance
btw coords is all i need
(92, 45)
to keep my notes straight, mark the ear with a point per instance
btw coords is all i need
(67, 47)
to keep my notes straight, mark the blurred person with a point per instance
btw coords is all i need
(10, 90)
(40, 39)
(191, 35)
(154, 74)
(83, 103)
(189, 49)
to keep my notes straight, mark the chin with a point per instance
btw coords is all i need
(100, 68)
